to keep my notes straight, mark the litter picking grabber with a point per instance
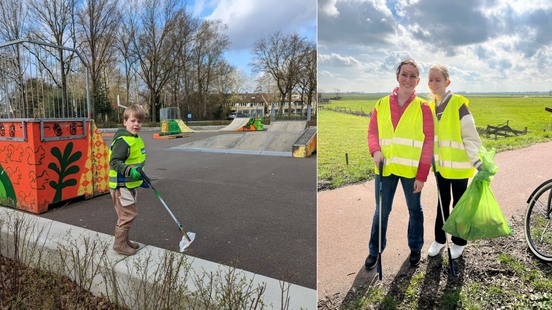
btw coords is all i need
(187, 237)
(379, 269)
(452, 271)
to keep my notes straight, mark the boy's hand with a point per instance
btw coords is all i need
(135, 174)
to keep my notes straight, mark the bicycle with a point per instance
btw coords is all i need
(538, 221)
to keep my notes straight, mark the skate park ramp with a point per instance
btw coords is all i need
(236, 124)
(244, 124)
(295, 126)
(278, 140)
(306, 145)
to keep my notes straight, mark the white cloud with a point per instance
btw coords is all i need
(338, 60)
(327, 74)
(327, 7)
(494, 45)
(248, 20)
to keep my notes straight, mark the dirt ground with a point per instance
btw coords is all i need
(22, 287)
(344, 220)
(479, 265)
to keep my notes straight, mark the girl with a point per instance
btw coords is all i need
(456, 152)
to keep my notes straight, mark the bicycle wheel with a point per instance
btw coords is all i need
(538, 223)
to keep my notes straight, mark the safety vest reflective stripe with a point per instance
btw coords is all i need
(402, 161)
(452, 164)
(451, 144)
(401, 141)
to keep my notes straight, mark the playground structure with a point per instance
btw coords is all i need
(50, 148)
(171, 123)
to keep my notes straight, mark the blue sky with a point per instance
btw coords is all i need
(249, 21)
(488, 45)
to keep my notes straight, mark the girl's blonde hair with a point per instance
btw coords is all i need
(136, 111)
(441, 68)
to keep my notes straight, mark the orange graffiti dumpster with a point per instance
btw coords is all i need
(50, 149)
(47, 161)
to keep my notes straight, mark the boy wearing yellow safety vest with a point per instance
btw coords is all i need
(400, 135)
(456, 152)
(126, 154)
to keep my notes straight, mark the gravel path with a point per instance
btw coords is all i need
(344, 220)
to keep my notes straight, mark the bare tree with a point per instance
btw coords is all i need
(211, 42)
(184, 36)
(307, 81)
(55, 23)
(127, 31)
(280, 55)
(98, 22)
(13, 15)
(154, 46)
(224, 84)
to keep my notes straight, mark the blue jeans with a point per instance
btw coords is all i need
(416, 213)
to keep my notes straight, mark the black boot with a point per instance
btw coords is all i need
(370, 262)
(415, 257)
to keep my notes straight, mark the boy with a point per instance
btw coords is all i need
(126, 154)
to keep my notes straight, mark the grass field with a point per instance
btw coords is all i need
(342, 136)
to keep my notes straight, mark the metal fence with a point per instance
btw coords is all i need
(42, 80)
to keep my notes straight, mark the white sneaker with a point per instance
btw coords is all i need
(456, 251)
(435, 248)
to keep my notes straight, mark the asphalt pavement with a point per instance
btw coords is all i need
(254, 212)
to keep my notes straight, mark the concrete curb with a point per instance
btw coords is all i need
(45, 237)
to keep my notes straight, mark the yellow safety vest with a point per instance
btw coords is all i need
(401, 147)
(451, 159)
(136, 158)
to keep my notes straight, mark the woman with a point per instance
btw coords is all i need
(400, 135)
(456, 152)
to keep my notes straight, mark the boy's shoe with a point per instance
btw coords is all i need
(415, 257)
(456, 251)
(435, 248)
(370, 262)
(120, 245)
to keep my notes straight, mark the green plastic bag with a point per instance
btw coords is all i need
(477, 214)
